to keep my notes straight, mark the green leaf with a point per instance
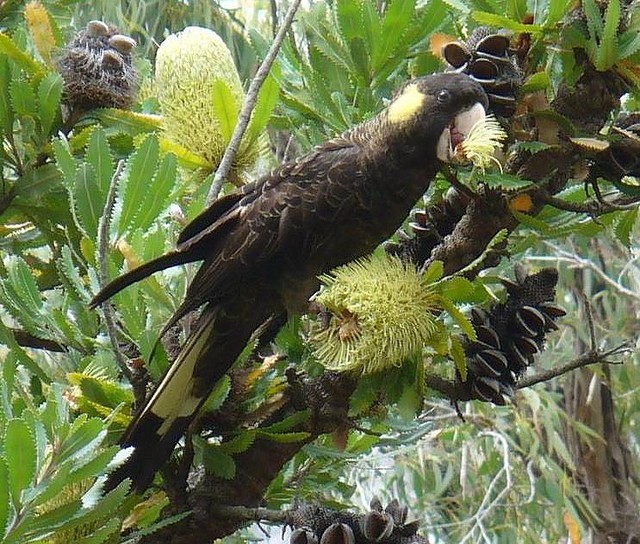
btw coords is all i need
(628, 44)
(23, 98)
(501, 21)
(103, 534)
(239, 443)
(156, 198)
(456, 350)
(6, 511)
(22, 280)
(7, 339)
(65, 163)
(138, 181)
(49, 95)
(24, 60)
(433, 273)
(287, 423)
(594, 20)
(267, 100)
(218, 463)
(225, 107)
(100, 160)
(285, 438)
(625, 226)
(396, 19)
(89, 204)
(539, 81)
(101, 391)
(71, 276)
(21, 455)
(607, 54)
(83, 433)
(6, 111)
(459, 317)
(130, 122)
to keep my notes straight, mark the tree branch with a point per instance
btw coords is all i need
(249, 104)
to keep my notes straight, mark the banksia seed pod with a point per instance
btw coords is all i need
(486, 56)
(190, 65)
(429, 226)
(303, 536)
(338, 533)
(511, 334)
(380, 312)
(97, 68)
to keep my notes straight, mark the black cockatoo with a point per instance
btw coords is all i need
(263, 247)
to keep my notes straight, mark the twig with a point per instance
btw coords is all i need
(589, 358)
(249, 103)
(591, 207)
(251, 514)
(103, 248)
(592, 330)
(28, 340)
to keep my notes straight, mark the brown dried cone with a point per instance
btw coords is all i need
(429, 226)
(487, 57)
(97, 68)
(511, 334)
(386, 525)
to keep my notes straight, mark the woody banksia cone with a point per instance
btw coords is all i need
(380, 312)
(190, 67)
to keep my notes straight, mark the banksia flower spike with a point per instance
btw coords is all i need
(380, 312)
(479, 146)
(196, 80)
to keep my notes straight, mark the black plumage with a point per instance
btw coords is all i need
(264, 246)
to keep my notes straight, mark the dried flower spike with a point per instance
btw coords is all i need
(479, 146)
(380, 314)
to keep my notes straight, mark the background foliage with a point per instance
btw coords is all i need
(511, 474)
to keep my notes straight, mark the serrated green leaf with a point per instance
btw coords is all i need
(164, 523)
(35, 183)
(557, 9)
(102, 534)
(607, 53)
(625, 226)
(6, 512)
(395, 20)
(50, 488)
(65, 163)
(23, 98)
(239, 443)
(21, 455)
(94, 466)
(218, 463)
(6, 111)
(83, 433)
(433, 273)
(505, 181)
(285, 438)
(225, 107)
(140, 171)
(131, 122)
(101, 391)
(157, 197)
(71, 276)
(22, 59)
(459, 357)
(287, 423)
(457, 289)
(459, 318)
(594, 20)
(52, 520)
(501, 21)
(22, 280)
(100, 160)
(49, 96)
(88, 200)
(628, 44)
(539, 81)
(7, 339)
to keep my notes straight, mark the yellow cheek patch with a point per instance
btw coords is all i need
(407, 105)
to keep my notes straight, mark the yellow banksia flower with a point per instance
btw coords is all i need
(480, 145)
(190, 66)
(381, 313)
(40, 28)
